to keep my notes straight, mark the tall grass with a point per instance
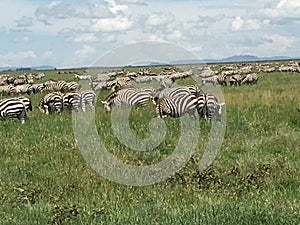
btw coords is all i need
(255, 179)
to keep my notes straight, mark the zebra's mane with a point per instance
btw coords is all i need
(110, 97)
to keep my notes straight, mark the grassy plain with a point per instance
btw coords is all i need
(255, 179)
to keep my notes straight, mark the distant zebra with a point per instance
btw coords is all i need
(208, 106)
(61, 85)
(250, 79)
(177, 106)
(167, 82)
(72, 100)
(126, 98)
(7, 90)
(235, 80)
(51, 103)
(37, 88)
(216, 79)
(24, 89)
(88, 98)
(13, 108)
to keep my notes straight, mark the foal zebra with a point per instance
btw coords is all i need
(126, 97)
(13, 108)
(52, 102)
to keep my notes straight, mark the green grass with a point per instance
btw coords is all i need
(254, 179)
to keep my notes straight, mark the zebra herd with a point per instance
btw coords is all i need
(53, 102)
(234, 80)
(169, 102)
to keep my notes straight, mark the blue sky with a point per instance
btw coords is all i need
(73, 33)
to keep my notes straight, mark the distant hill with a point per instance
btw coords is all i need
(231, 59)
(27, 68)
(235, 58)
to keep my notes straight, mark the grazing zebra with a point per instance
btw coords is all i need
(235, 80)
(177, 106)
(72, 100)
(7, 90)
(216, 79)
(52, 102)
(27, 103)
(88, 98)
(208, 106)
(250, 79)
(24, 89)
(13, 108)
(61, 86)
(37, 88)
(126, 97)
(167, 82)
(177, 91)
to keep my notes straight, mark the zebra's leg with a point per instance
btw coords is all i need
(23, 116)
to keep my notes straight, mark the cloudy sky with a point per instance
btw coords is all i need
(73, 33)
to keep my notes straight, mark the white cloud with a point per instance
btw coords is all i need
(84, 52)
(115, 8)
(237, 24)
(279, 43)
(84, 38)
(21, 58)
(112, 24)
(159, 18)
(138, 2)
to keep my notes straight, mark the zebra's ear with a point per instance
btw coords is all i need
(221, 104)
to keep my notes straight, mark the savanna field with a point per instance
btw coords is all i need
(44, 179)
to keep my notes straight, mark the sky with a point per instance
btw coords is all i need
(73, 33)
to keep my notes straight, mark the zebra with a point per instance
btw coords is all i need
(27, 102)
(24, 89)
(250, 79)
(52, 102)
(173, 92)
(126, 97)
(208, 106)
(216, 79)
(167, 82)
(37, 88)
(13, 108)
(235, 80)
(72, 100)
(88, 98)
(177, 106)
(7, 89)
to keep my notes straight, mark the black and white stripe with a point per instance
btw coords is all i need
(126, 98)
(177, 91)
(208, 106)
(72, 101)
(51, 103)
(88, 98)
(216, 79)
(13, 108)
(177, 106)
